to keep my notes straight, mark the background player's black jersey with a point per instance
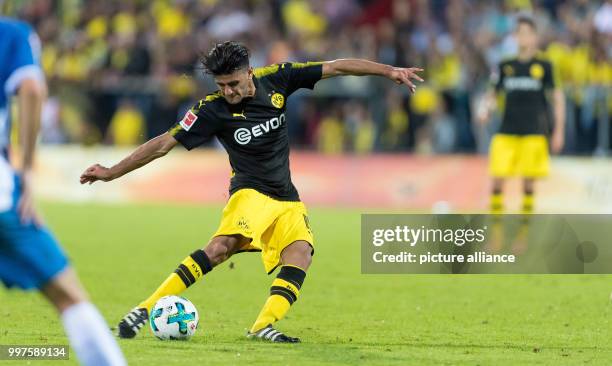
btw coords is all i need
(526, 107)
(253, 132)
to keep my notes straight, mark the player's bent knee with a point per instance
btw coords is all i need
(220, 248)
(298, 253)
(216, 252)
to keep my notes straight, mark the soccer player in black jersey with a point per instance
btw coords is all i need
(264, 212)
(521, 145)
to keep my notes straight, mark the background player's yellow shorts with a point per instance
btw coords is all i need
(525, 156)
(271, 224)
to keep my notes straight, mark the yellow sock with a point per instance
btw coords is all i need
(527, 207)
(188, 272)
(284, 292)
(173, 285)
(273, 310)
(497, 203)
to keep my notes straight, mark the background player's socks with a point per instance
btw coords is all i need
(284, 292)
(527, 207)
(497, 203)
(188, 272)
(90, 337)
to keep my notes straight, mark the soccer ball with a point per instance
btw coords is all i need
(174, 317)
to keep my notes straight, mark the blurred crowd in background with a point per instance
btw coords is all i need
(123, 71)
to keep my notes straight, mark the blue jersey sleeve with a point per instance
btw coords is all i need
(23, 57)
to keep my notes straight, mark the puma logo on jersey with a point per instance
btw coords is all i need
(244, 135)
(239, 115)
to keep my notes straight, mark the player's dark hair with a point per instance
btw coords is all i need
(225, 58)
(527, 20)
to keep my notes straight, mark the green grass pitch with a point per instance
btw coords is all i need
(343, 317)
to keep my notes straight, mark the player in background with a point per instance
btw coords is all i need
(264, 212)
(520, 147)
(30, 257)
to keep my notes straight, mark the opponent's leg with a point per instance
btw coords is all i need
(191, 269)
(285, 290)
(86, 329)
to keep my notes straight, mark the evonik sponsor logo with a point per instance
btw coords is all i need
(244, 135)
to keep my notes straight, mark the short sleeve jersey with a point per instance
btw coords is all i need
(253, 132)
(19, 52)
(524, 85)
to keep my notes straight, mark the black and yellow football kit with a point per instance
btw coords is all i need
(253, 132)
(264, 204)
(521, 147)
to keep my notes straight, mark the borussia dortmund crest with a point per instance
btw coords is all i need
(278, 100)
(536, 71)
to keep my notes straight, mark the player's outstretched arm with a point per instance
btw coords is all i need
(144, 154)
(359, 67)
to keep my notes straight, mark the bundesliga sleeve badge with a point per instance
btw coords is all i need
(189, 120)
